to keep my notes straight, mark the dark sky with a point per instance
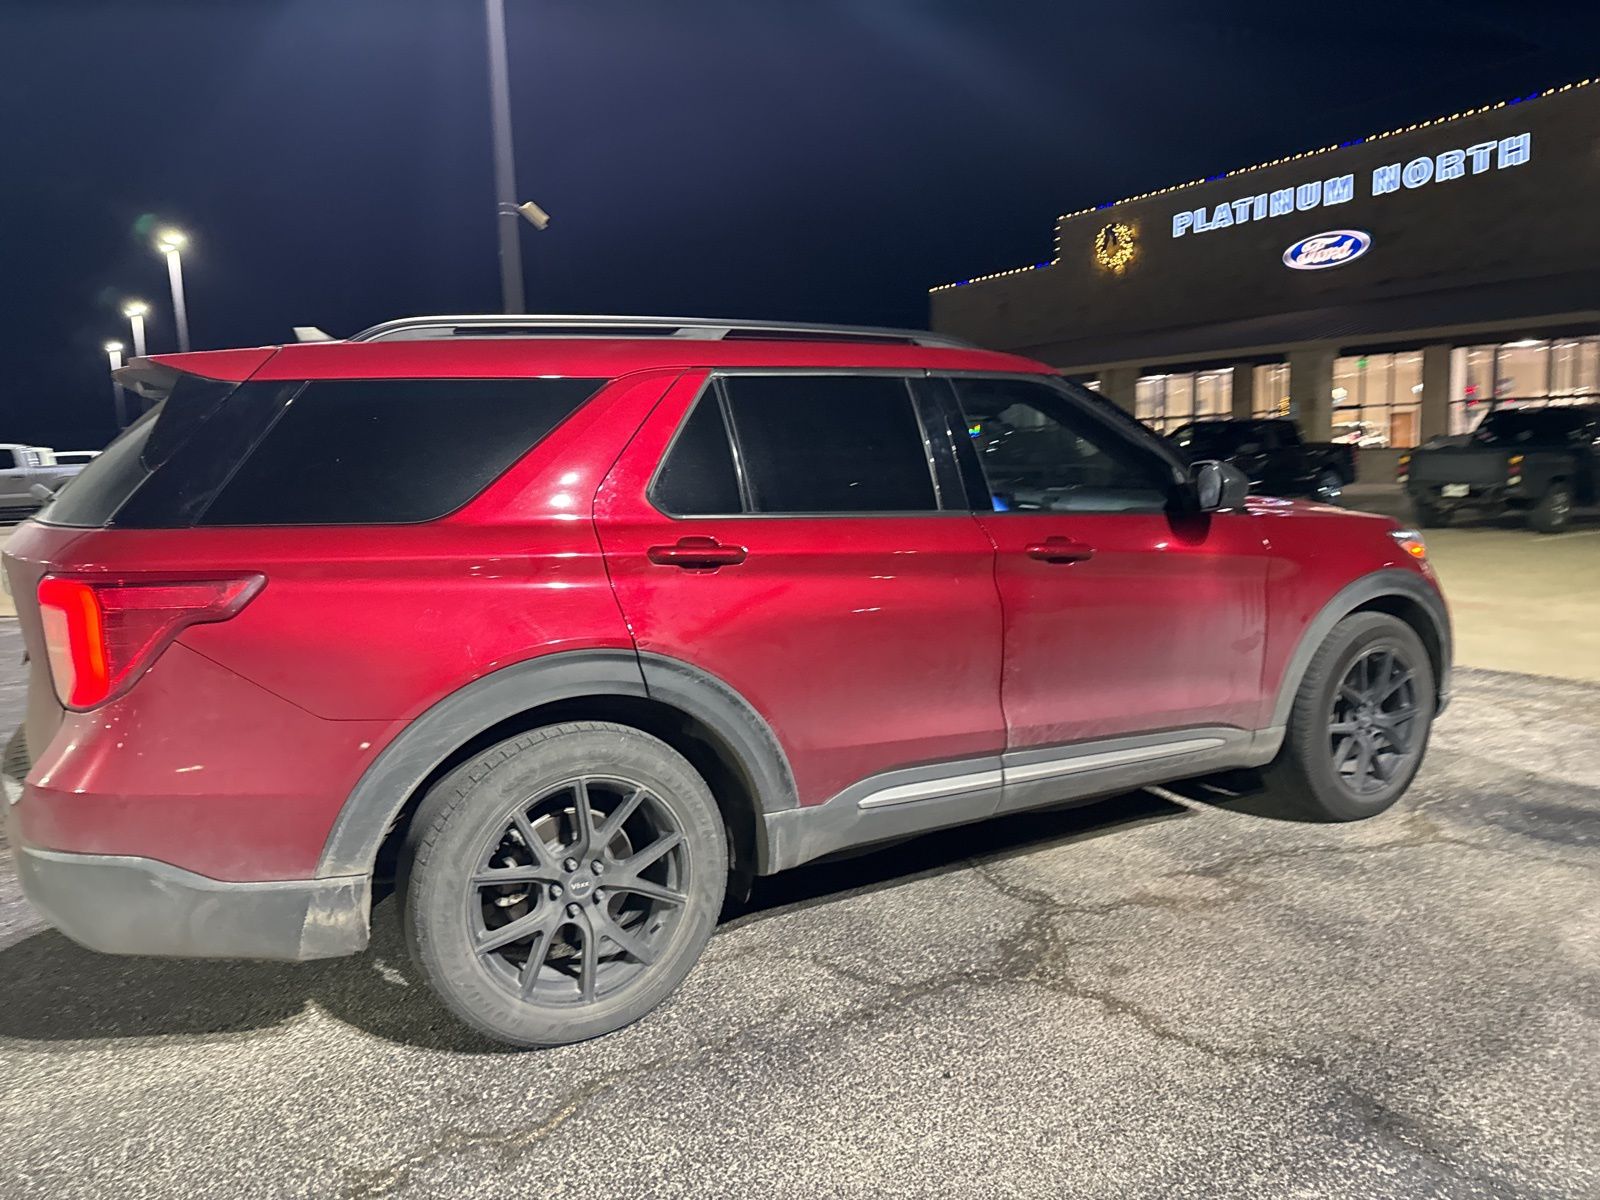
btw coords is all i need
(807, 159)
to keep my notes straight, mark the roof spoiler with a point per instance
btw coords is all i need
(148, 378)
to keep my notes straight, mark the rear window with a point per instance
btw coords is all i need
(1523, 426)
(344, 452)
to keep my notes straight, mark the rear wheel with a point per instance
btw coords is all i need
(563, 884)
(1359, 724)
(1554, 511)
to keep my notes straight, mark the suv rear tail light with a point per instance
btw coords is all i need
(101, 634)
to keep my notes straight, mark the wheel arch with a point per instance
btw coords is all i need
(700, 716)
(1395, 591)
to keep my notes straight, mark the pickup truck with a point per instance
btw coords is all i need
(24, 467)
(1543, 462)
(1270, 451)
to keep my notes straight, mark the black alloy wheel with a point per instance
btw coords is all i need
(1371, 723)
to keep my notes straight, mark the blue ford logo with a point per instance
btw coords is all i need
(1331, 249)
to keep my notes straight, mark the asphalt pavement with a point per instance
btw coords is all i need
(1163, 995)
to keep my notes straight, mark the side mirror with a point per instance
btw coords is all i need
(1218, 486)
(41, 493)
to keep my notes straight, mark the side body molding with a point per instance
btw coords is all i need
(371, 808)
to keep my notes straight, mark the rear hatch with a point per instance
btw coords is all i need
(164, 466)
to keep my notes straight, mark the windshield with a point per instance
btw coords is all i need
(1525, 426)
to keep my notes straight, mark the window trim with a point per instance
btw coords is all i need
(713, 383)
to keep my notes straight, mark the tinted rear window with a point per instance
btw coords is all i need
(830, 444)
(346, 452)
(1522, 426)
(391, 451)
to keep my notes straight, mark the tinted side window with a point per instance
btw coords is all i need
(830, 444)
(1040, 453)
(697, 476)
(391, 451)
(8, 460)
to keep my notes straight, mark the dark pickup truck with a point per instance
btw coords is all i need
(1540, 461)
(1270, 452)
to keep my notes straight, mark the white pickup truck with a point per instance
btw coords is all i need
(22, 468)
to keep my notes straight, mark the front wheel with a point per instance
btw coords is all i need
(1360, 722)
(562, 884)
(1554, 510)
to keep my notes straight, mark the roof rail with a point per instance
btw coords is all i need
(695, 328)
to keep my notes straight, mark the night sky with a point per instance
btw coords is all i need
(814, 159)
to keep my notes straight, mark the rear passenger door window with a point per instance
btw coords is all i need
(800, 444)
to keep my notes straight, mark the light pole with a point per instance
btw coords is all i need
(135, 311)
(505, 181)
(171, 242)
(118, 397)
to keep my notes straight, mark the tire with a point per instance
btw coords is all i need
(1329, 487)
(1330, 738)
(1554, 511)
(1430, 516)
(613, 942)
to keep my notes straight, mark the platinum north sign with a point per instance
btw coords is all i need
(1447, 165)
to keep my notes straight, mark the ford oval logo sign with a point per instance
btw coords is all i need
(1331, 249)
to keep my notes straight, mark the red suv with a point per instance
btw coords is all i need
(565, 627)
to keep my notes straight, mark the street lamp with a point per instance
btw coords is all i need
(171, 242)
(135, 311)
(505, 174)
(118, 397)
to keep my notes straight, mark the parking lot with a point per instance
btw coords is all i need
(1165, 994)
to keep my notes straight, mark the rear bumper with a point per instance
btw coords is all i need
(127, 905)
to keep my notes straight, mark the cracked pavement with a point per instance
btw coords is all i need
(1167, 994)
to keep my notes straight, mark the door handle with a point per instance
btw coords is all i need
(1060, 550)
(696, 554)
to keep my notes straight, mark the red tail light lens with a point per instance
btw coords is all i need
(101, 634)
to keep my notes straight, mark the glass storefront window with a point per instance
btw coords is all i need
(1377, 399)
(1164, 402)
(1271, 397)
(1529, 370)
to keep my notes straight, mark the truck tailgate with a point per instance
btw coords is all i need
(1475, 465)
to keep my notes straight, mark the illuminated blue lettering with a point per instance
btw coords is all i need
(1282, 201)
(1452, 164)
(1181, 222)
(1259, 208)
(1418, 171)
(1307, 195)
(1241, 211)
(1514, 151)
(1200, 223)
(1222, 218)
(1386, 179)
(1479, 154)
(1338, 190)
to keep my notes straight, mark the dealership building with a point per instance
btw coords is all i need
(1382, 291)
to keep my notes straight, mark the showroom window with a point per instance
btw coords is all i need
(1560, 370)
(1164, 402)
(1271, 395)
(1377, 399)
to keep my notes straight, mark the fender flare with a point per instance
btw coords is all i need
(1391, 581)
(369, 811)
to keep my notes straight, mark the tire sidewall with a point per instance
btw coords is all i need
(1544, 518)
(436, 926)
(1352, 638)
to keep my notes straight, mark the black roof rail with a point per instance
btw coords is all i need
(695, 328)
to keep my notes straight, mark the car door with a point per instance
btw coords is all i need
(14, 480)
(1125, 614)
(798, 536)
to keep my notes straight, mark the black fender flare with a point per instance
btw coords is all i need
(369, 811)
(1391, 581)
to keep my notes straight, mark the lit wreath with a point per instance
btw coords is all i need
(1115, 246)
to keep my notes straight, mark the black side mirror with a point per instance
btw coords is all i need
(1218, 486)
